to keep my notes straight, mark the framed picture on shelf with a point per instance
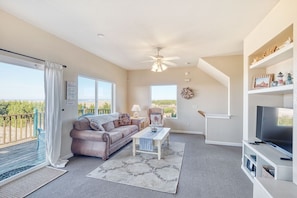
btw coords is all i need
(262, 81)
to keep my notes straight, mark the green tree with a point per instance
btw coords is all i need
(22, 110)
(105, 106)
(3, 107)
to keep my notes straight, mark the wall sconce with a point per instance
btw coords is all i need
(136, 109)
(187, 79)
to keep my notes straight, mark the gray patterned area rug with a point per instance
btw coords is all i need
(144, 170)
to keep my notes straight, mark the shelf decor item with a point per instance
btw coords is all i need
(289, 79)
(280, 79)
(262, 81)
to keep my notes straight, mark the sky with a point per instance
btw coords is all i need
(164, 92)
(23, 83)
(86, 89)
(20, 83)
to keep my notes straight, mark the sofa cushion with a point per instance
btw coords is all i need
(125, 119)
(108, 126)
(125, 130)
(82, 124)
(115, 136)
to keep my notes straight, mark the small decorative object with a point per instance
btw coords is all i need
(275, 48)
(280, 79)
(274, 83)
(187, 93)
(289, 79)
(262, 81)
(287, 42)
(255, 60)
(153, 128)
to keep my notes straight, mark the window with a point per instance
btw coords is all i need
(94, 96)
(22, 135)
(164, 96)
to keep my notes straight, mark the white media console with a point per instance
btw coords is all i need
(263, 160)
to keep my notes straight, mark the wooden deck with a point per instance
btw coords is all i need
(21, 156)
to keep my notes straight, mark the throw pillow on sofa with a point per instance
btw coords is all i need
(108, 126)
(82, 124)
(125, 119)
(95, 124)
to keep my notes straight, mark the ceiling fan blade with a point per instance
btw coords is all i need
(168, 63)
(148, 61)
(153, 57)
(171, 58)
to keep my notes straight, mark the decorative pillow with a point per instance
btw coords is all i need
(125, 119)
(108, 126)
(96, 126)
(116, 123)
(82, 124)
(156, 119)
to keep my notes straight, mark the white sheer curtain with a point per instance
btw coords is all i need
(53, 82)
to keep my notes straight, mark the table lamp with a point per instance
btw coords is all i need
(135, 109)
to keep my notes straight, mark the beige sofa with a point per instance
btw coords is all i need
(102, 135)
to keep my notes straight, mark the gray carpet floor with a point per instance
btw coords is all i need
(208, 171)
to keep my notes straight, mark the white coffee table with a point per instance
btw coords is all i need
(157, 141)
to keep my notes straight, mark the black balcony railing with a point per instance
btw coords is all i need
(92, 111)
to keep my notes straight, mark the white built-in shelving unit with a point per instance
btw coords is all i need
(261, 162)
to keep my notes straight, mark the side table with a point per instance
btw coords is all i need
(142, 122)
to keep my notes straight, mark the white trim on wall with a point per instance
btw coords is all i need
(223, 143)
(186, 132)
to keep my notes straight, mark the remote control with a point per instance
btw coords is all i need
(286, 158)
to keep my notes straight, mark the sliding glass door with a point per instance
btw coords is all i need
(22, 138)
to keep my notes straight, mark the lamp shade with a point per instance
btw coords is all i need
(135, 108)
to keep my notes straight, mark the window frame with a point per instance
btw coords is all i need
(96, 105)
(176, 107)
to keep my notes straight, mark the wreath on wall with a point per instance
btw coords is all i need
(187, 93)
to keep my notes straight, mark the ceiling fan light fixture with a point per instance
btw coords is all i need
(164, 67)
(160, 62)
(154, 67)
(158, 67)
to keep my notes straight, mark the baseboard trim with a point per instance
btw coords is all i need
(65, 157)
(223, 143)
(186, 132)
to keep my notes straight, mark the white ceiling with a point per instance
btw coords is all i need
(132, 29)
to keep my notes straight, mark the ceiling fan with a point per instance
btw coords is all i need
(160, 63)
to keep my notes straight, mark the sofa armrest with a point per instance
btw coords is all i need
(136, 122)
(89, 135)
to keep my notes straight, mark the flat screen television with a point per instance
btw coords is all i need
(275, 126)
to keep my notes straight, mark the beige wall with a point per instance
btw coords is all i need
(228, 131)
(210, 96)
(21, 37)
